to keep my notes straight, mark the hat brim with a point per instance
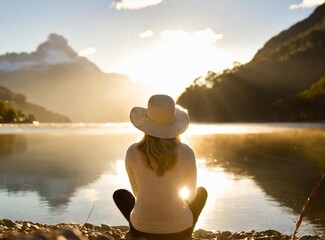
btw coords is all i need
(171, 130)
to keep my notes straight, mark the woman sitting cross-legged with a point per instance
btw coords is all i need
(158, 167)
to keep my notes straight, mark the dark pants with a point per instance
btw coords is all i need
(125, 201)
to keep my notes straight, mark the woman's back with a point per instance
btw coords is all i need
(159, 166)
(159, 207)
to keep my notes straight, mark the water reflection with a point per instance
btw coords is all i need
(11, 144)
(286, 165)
(56, 166)
(64, 173)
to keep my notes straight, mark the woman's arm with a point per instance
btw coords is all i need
(191, 175)
(128, 160)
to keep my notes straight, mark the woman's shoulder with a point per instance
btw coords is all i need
(132, 149)
(183, 148)
(131, 155)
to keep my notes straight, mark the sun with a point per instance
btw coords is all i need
(174, 58)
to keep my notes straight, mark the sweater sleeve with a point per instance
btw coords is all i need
(128, 166)
(191, 175)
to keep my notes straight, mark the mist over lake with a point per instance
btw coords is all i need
(258, 175)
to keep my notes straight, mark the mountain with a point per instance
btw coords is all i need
(54, 76)
(268, 87)
(15, 108)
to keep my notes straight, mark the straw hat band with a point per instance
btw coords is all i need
(161, 115)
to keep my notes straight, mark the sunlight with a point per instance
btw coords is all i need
(120, 167)
(184, 193)
(90, 194)
(175, 58)
(217, 183)
(232, 128)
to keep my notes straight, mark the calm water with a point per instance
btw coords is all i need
(258, 176)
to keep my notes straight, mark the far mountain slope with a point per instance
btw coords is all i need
(54, 76)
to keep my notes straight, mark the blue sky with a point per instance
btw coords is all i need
(165, 43)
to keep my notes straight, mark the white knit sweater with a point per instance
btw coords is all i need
(159, 207)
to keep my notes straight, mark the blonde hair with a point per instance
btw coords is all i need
(158, 153)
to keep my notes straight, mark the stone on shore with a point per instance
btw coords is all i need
(26, 230)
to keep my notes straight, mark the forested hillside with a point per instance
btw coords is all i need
(281, 83)
(14, 108)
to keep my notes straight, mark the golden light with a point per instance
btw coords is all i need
(184, 193)
(172, 60)
(228, 128)
(120, 167)
(90, 194)
(217, 183)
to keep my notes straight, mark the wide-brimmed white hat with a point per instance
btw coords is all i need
(161, 119)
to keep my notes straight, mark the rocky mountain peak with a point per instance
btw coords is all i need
(55, 50)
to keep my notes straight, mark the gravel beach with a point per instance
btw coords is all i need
(24, 230)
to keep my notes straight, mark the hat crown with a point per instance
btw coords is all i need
(161, 109)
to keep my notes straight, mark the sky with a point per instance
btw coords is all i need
(165, 44)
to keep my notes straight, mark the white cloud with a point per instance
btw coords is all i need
(134, 4)
(146, 34)
(204, 37)
(88, 51)
(306, 4)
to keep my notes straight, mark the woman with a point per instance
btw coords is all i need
(158, 167)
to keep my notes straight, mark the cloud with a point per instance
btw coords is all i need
(146, 34)
(204, 37)
(134, 4)
(88, 51)
(306, 4)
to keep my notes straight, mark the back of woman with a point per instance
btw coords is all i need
(159, 207)
(158, 167)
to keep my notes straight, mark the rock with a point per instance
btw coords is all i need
(60, 238)
(309, 237)
(225, 234)
(271, 232)
(240, 235)
(23, 230)
(122, 228)
(72, 234)
(34, 227)
(285, 237)
(105, 238)
(201, 233)
(40, 235)
(8, 223)
(89, 226)
(105, 227)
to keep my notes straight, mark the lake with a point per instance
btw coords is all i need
(258, 176)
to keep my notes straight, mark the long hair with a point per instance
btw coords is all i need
(159, 153)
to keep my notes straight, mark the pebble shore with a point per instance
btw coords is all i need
(26, 230)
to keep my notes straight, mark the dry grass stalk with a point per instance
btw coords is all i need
(91, 210)
(307, 205)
